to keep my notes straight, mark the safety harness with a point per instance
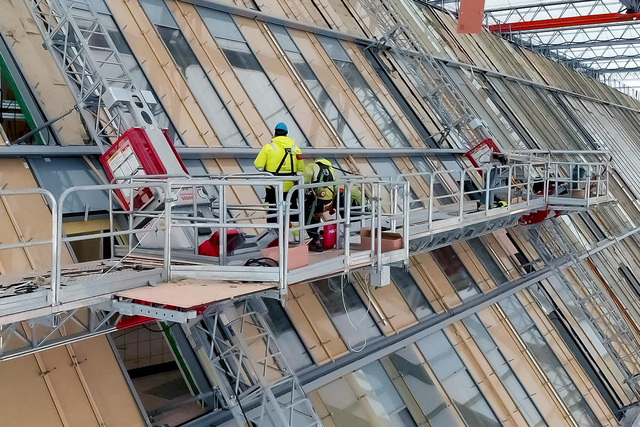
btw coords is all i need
(324, 175)
(287, 152)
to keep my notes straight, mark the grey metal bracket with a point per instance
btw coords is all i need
(133, 309)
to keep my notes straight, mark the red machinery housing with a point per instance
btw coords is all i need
(136, 154)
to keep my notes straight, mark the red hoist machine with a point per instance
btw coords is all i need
(146, 150)
(482, 155)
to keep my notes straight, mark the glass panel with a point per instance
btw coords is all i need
(58, 174)
(286, 336)
(193, 73)
(315, 87)
(433, 404)
(364, 92)
(367, 397)
(549, 362)
(454, 269)
(456, 381)
(411, 292)
(347, 311)
(250, 73)
(382, 394)
(505, 373)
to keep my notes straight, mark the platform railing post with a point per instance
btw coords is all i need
(222, 249)
(283, 240)
(168, 202)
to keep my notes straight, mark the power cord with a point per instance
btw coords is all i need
(356, 325)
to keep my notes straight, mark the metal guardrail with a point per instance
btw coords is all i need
(455, 199)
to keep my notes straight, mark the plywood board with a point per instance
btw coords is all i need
(191, 292)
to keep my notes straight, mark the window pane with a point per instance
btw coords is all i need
(457, 382)
(348, 313)
(454, 269)
(368, 98)
(432, 403)
(193, 73)
(549, 362)
(411, 292)
(315, 87)
(250, 73)
(505, 373)
(286, 336)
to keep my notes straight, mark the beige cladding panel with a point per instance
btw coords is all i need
(24, 397)
(436, 280)
(38, 66)
(24, 218)
(78, 385)
(314, 324)
(283, 81)
(162, 73)
(394, 307)
(106, 383)
(294, 10)
(341, 94)
(68, 388)
(222, 75)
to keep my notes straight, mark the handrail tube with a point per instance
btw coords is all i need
(379, 228)
(53, 206)
(168, 204)
(283, 241)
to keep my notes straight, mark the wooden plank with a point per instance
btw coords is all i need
(189, 293)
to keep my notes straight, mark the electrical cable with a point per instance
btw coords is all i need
(355, 326)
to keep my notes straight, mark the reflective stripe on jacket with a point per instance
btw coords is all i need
(271, 157)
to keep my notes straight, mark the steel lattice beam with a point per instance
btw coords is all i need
(573, 21)
(549, 11)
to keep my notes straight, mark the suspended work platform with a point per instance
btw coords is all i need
(185, 236)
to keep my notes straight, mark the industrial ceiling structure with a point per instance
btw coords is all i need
(600, 38)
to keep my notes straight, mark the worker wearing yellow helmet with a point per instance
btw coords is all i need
(280, 158)
(318, 199)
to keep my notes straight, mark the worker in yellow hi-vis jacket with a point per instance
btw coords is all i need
(280, 158)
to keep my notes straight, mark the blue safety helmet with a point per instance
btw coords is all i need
(282, 126)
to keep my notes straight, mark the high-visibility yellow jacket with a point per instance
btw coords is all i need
(315, 172)
(281, 157)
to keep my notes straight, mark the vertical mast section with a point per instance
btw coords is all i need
(86, 54)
